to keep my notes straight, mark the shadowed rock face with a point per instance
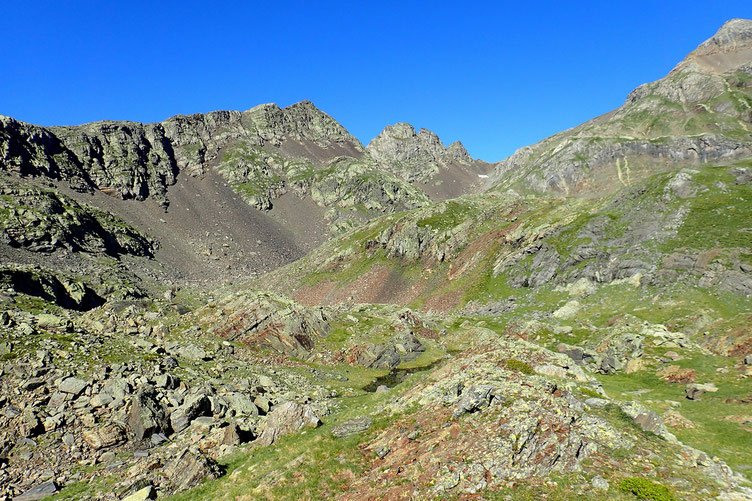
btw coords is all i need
(135, 160)
(698, 114)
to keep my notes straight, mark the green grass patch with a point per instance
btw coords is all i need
(519, 366)
(646, 489)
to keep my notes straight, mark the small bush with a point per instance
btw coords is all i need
(646, 489)
(519, 366)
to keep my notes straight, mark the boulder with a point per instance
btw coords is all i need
(569, 310)
(599, 483)
(142, 494)
(193, 407)
(286, 418)
(695, 391)
(146, 416)
(188, 469)
(609, 364)
(72, 385)
(189, 351)
(646, 419)
(380, 356)
(117, 388)
(49, 321)
(408, 345)
(241, 404)
(40, 491)
(652, 422)
(30, 425)
(167, 381)
(234, 435)
(104, 436)
(263, 404)
(101, 400)
(351, 427)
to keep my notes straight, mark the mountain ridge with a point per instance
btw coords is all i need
(689, 117)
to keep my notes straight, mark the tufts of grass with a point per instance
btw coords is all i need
(646, 489)
(519, 366)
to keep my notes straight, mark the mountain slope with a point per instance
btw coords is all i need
(260, 187)
(699, 114)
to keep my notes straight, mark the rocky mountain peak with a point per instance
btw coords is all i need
(728, 50)
(458, 152)
(421, 157)
(400, 144)
(400, 130)
(696, 115)
(732, 35)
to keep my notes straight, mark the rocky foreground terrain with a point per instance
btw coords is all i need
(253, 305)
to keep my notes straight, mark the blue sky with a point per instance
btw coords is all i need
(495, 75)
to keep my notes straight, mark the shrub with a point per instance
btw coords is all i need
(646, 489)
(519, 366)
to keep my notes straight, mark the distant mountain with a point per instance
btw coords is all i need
(421, 158)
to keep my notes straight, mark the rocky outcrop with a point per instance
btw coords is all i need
(401, 348)
(265, 321)
(413, 156)
(127, 159)
(59, 290)
(287, 418)
(45, 220)
(30, 150)
(420, 157)
(353, 184)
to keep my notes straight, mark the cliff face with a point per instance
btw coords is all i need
(700, 113)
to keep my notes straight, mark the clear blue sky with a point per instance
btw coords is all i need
(496, 75)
